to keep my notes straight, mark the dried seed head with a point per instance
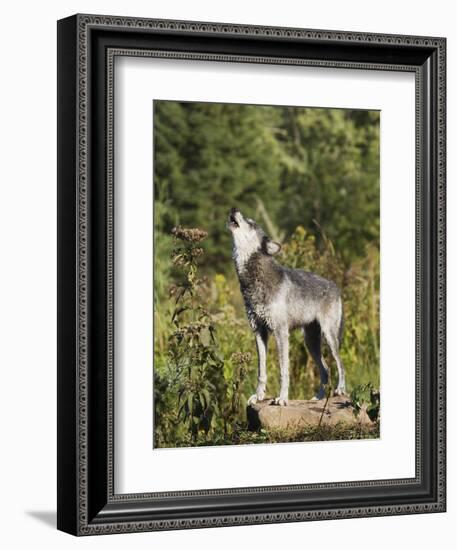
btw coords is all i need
(241, 358)
(191, 235)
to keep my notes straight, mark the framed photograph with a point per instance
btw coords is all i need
(251, 274)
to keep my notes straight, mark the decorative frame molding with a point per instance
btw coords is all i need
(88, 45)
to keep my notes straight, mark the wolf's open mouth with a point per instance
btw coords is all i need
(232, 220)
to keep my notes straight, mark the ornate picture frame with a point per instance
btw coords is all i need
(87, 501)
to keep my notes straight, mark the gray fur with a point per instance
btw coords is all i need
(279, 299)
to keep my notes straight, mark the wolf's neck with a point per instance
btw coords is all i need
(258, 270)
(241, 259)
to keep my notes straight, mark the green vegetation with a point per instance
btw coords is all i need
(311, 178)
(364, 396)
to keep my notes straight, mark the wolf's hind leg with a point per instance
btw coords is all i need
(313, 339)
(332, 339)
(261, 340)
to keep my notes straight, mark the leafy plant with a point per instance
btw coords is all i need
(235, 403)
(364, 396)
(192, 350)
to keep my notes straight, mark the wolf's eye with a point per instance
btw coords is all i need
(251, 223)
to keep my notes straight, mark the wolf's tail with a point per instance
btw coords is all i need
(341, 326)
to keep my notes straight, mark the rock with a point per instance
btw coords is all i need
(298, 414)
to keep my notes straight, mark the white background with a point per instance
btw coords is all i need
(136, 467)
(28, 280)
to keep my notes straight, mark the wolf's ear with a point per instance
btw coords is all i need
(272, 247)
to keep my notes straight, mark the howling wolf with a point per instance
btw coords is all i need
(278, 300)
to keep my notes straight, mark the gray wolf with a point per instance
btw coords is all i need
(278, 300)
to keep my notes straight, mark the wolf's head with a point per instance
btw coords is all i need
(248, 238)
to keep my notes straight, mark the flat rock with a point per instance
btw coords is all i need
(298, 414)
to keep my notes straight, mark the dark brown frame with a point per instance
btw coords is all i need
(87, 46)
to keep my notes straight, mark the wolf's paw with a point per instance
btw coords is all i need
(258, 396)
(320, 395)
(253, 399)
(339, 392)
(281, 402)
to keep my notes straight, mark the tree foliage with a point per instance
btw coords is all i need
(294, 165)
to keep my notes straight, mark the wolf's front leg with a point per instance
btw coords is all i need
(261, 340)
(282, 344)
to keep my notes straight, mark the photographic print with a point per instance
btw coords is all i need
(266, 274)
